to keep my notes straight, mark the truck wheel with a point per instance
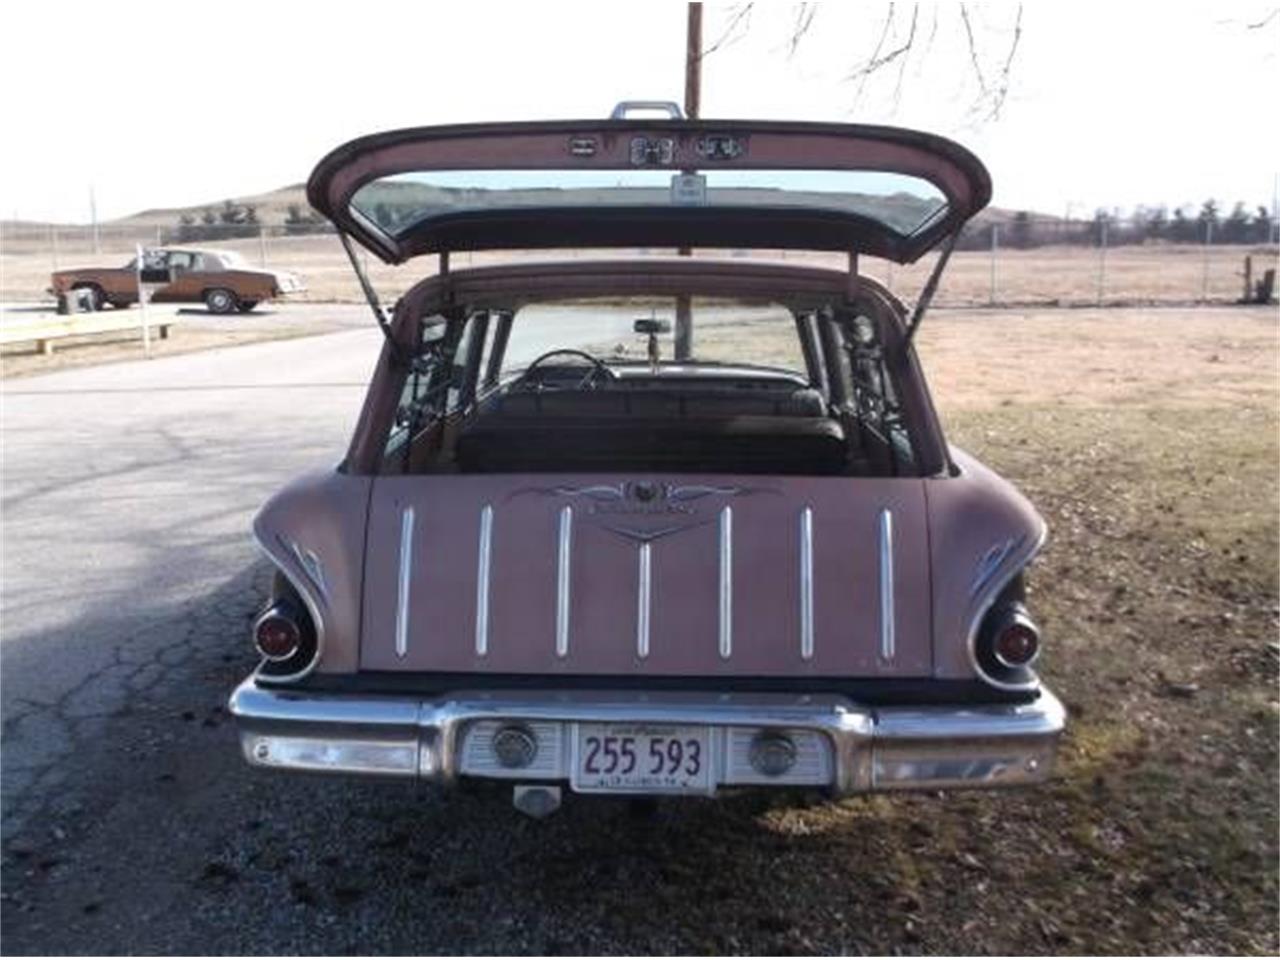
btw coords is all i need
(99, 298)
(219, 300)
(244, 306)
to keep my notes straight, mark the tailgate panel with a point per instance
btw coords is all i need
(656, 575)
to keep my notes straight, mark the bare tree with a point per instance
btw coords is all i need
(902, 39)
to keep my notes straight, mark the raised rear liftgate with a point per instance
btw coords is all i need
(670, 183)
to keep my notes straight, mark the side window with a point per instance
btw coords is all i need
(486, 354)
(180, 261)
(155, 260)
(811, 347)
(458, 369)
(873, 396)
(425, 386)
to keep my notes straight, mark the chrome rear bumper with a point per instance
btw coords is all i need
(863, 748)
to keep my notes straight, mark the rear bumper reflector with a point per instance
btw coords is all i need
(841, 745)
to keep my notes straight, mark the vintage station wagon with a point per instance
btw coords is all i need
(649, 524)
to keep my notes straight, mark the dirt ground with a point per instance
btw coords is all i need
(1147, 438)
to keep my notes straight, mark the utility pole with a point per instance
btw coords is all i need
(995, 247)
(1274, 233)
(1102, 259)
(692, 98)
(693, 63)
(93, 217)
(1204, 276)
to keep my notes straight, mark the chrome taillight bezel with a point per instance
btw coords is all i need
(298, 580)
(304, 655)
(1000, 592)
(1010, 618)
(285, 612)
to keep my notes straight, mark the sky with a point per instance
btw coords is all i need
(1109, 104)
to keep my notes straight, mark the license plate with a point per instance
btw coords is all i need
(641, 758)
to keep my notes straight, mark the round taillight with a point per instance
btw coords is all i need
(277, 635)
(1017, 643)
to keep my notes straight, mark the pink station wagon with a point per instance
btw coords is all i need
(631, 523)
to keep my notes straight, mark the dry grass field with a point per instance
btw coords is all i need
(1047, 275)
(1149, 441)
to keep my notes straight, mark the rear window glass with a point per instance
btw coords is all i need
(724, 331)
(396, 204)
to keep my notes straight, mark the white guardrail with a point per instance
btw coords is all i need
(45, 330)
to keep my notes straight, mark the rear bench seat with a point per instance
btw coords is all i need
(640, 430)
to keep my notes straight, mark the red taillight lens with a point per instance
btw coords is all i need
(277, 635)
(1017, 643)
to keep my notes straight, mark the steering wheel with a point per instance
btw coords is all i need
(598, 367)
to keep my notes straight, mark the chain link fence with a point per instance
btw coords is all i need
(1069, 263)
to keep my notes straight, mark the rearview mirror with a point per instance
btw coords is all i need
(651, 326)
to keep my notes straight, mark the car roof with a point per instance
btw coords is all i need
(201, 250)
(511, 285)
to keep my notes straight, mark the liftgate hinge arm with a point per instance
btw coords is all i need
(372, 297)
(930, 288)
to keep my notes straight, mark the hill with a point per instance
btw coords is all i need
(273, 206)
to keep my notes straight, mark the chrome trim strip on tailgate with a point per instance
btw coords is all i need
(806, 583)
(887, 612)
(726, 582)
(643, 597)
(405, 581)
(564, 549)
(482, 581)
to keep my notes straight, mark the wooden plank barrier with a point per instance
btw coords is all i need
(46, 331)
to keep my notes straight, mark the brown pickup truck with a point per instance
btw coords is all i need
(221, 279)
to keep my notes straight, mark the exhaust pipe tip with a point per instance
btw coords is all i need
(536, 800)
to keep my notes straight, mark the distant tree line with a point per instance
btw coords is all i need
(231, 221)
(1143, 225)
(298, 222)
(1025, 231)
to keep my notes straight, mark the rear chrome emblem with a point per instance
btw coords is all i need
(720, 146)
(645, 496)
(658, 152)
(642, 497)
(310, 564)
(644, 491)
(583, 146)
(991, 561)
(638, 535)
